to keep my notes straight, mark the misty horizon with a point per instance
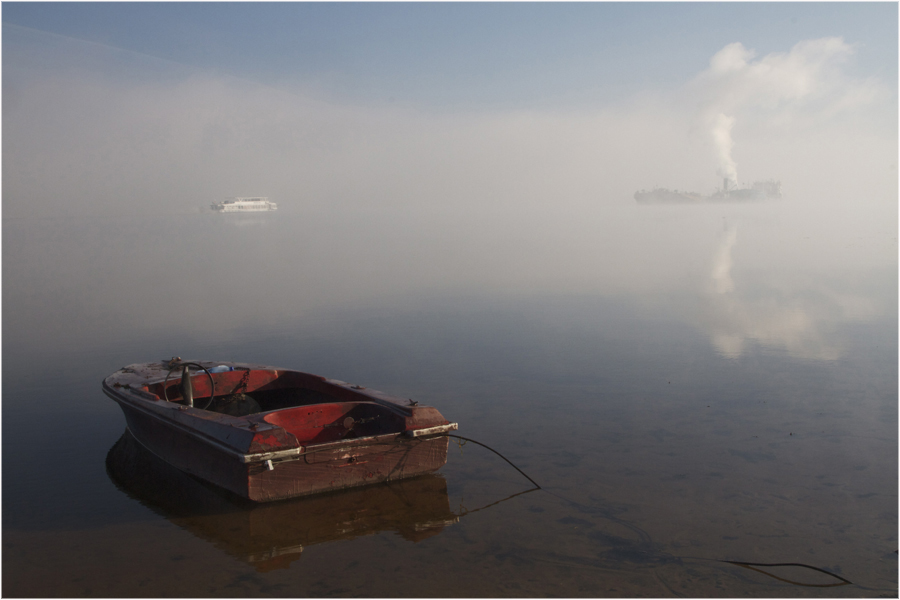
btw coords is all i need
(92, 131)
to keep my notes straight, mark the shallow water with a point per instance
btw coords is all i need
(684, 391)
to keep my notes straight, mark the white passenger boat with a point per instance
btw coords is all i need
(256, 204)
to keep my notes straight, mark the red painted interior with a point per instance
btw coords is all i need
(317, 423)
(230, 382)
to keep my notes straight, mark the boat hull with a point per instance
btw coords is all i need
(204, 444)
(347, 467)
(241, 205)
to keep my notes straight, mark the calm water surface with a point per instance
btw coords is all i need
(686, 393)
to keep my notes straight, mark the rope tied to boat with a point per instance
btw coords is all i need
(464, 439)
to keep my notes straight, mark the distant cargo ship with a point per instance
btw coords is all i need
(760, 190)
(257, 204)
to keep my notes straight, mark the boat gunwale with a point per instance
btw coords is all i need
(388, 401)
(157, 408)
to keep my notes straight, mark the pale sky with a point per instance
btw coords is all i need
(464, 55)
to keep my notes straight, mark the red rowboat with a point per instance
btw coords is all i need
(267, 433)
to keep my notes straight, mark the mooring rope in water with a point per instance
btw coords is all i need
(751, 566)
(459, 437)
(646, 537)
(465, 511)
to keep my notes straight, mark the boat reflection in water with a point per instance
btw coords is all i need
(271, 536)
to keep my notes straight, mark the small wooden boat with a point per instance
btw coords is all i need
(266, 433)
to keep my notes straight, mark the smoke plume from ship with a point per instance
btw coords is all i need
(738, 89)
(782, 84)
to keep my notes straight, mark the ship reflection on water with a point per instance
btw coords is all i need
(271, 536)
